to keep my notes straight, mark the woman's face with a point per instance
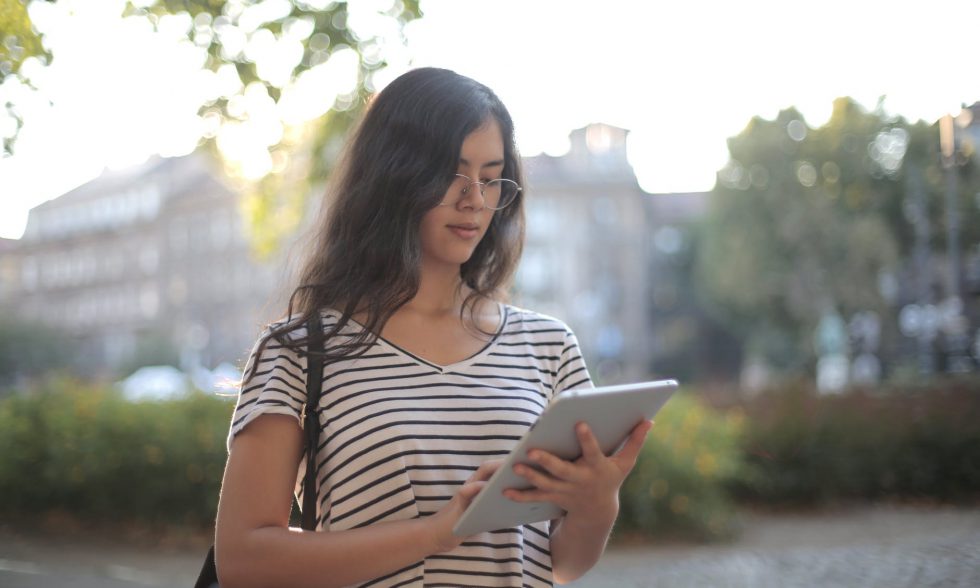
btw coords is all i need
(450, 234)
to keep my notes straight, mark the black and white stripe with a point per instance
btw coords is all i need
(400, 434)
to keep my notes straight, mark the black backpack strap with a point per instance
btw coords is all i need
(311, 420)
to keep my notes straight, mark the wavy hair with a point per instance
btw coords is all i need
(366, 251)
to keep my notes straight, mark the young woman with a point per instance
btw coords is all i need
(429, 378)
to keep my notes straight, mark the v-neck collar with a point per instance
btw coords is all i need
(505, 315)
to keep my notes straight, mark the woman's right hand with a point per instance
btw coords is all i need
(445, 519)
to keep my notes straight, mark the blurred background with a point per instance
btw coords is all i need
(777, 205)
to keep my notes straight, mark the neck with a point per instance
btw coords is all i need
(440, 292)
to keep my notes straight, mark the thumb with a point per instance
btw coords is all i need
(469, 490)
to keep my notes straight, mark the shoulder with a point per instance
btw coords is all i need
(293, 327)
(523, 318)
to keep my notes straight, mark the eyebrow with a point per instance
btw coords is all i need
(495, 163)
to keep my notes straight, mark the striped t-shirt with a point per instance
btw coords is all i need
(400, 435)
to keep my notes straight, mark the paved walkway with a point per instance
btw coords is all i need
(884, 547)
(889, 547)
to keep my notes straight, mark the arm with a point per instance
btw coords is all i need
(588, 490)
(254, 545)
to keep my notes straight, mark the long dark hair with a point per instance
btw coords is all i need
(366, 252)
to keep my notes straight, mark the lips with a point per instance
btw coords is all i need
(465, 230)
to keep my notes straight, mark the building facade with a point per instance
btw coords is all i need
(148, 263)
(598, 250)
(155, 261)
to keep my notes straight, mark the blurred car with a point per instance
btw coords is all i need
(155, 382)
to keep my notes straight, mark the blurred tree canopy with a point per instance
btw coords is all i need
(19, 40)
(806, 221)
(29, 350)
(261, 50)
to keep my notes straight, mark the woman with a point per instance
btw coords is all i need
(429, 379)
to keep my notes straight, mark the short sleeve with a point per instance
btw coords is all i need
(572, 372)
(277, 386)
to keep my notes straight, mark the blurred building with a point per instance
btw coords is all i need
(146, 265)
(600, 250)
(153, 262)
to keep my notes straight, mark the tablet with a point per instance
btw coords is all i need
(611, 411)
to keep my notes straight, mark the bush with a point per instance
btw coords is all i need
(679, 485)
(83, 449)
(899, 443)
(30, 349)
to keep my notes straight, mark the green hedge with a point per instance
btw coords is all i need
(84, 450)
(882, 444)
(679, 485)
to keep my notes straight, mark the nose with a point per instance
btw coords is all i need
(472, 196)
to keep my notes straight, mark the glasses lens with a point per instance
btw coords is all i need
(500, 193)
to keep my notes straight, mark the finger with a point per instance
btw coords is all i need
(540, 480)
(591, 451)
(634, 444)
(554, 465)
(486, 470)
(534, 495)
(469, 490)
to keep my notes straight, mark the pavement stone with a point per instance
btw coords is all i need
(877, 546)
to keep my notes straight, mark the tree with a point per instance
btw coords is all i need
(19, 41)
(807, 221)
(29, 350)
(265, 51)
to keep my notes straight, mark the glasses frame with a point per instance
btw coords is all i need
(483, 191)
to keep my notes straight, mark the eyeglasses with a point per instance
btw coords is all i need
(497, 194)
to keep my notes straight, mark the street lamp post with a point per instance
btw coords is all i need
(948, 145)
(954, 323)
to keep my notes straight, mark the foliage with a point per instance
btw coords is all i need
(19, 41)
(83, 449)
(317, 34)
(805, 221)
(680, 482)
(152, 348)
(29, 349)
(897, 443)
(260, 52)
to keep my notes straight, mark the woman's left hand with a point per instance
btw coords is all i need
(588, 487)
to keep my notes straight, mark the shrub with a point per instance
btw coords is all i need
(83, 449)
(895, 443)
(679, 483)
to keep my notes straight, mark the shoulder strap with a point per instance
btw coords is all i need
(311, 421)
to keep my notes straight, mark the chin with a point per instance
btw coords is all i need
(456, 259)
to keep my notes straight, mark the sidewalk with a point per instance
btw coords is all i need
(882, 546)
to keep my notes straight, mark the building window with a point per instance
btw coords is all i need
(28, 274)
(220, 230)
(149, 259)
(178, 235)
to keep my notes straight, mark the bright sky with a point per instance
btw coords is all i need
(682, 76)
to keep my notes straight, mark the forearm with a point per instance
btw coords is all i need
(578, 543)
(275, 556)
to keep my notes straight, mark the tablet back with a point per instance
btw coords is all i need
(611, 412)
